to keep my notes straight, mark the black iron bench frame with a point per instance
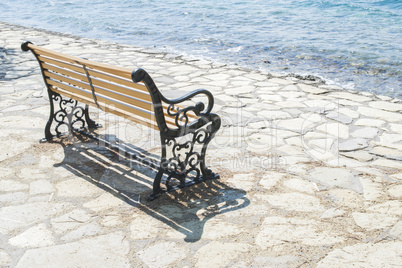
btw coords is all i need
(178, 159)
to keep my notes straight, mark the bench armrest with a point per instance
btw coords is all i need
(141, 75)
(198, 109)
(181, 114)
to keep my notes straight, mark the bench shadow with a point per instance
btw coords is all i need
(185, 210)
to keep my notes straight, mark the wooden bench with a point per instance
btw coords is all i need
(132, 95)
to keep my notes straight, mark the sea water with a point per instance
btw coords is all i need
(355, 44)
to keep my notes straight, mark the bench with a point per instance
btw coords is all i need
(73, 84)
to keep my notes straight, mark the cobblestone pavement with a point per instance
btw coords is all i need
(310, 174)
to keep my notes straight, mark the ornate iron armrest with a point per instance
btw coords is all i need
(199, 107)
(181, 114)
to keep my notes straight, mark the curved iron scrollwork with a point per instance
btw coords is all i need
(181, 114)
(69, 116)
(185, 159)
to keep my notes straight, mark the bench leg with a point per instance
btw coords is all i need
(91, 123)
(48, 134)
(156, 186)
(65, 115)
(181, 160)
(205, 139)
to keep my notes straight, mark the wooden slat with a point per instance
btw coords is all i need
(100, 91)
(114, 87)
(124, 114)
(94, 73)
(118, 71)
(103, 101)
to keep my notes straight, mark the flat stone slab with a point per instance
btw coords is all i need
(352, 145)
(227, 252)
(332, 176)
(387, 153)
(16, 217)
(372, 190)
(312, 90)
(370, 122)
(10, 150)
(361, 156)
(151, 256)
(12, 185)
(103, 202)
(107, 250)
(366, 133)
(273, 115)
(386, 105)
(270, 180)
(367, 254)
(243, 181)
(380, 114)
(301, 185)
(374, 221)
(387, 163)
(77, 187)
(5, 258)
(337, 130)
(280, 261)
(349, 112)
(278, 230)
(391, 208)
(296, 202)
(344, 119)
(349, 96)
(395, 191)
(299, 125)
(41, 187)
(37, 236)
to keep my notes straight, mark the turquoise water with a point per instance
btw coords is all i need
(354, 44)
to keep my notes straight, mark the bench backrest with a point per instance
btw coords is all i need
(108, 87)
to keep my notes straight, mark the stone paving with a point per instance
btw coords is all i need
(310, 174)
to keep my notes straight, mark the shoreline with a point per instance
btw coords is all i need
(308, 173)
(310, 79)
